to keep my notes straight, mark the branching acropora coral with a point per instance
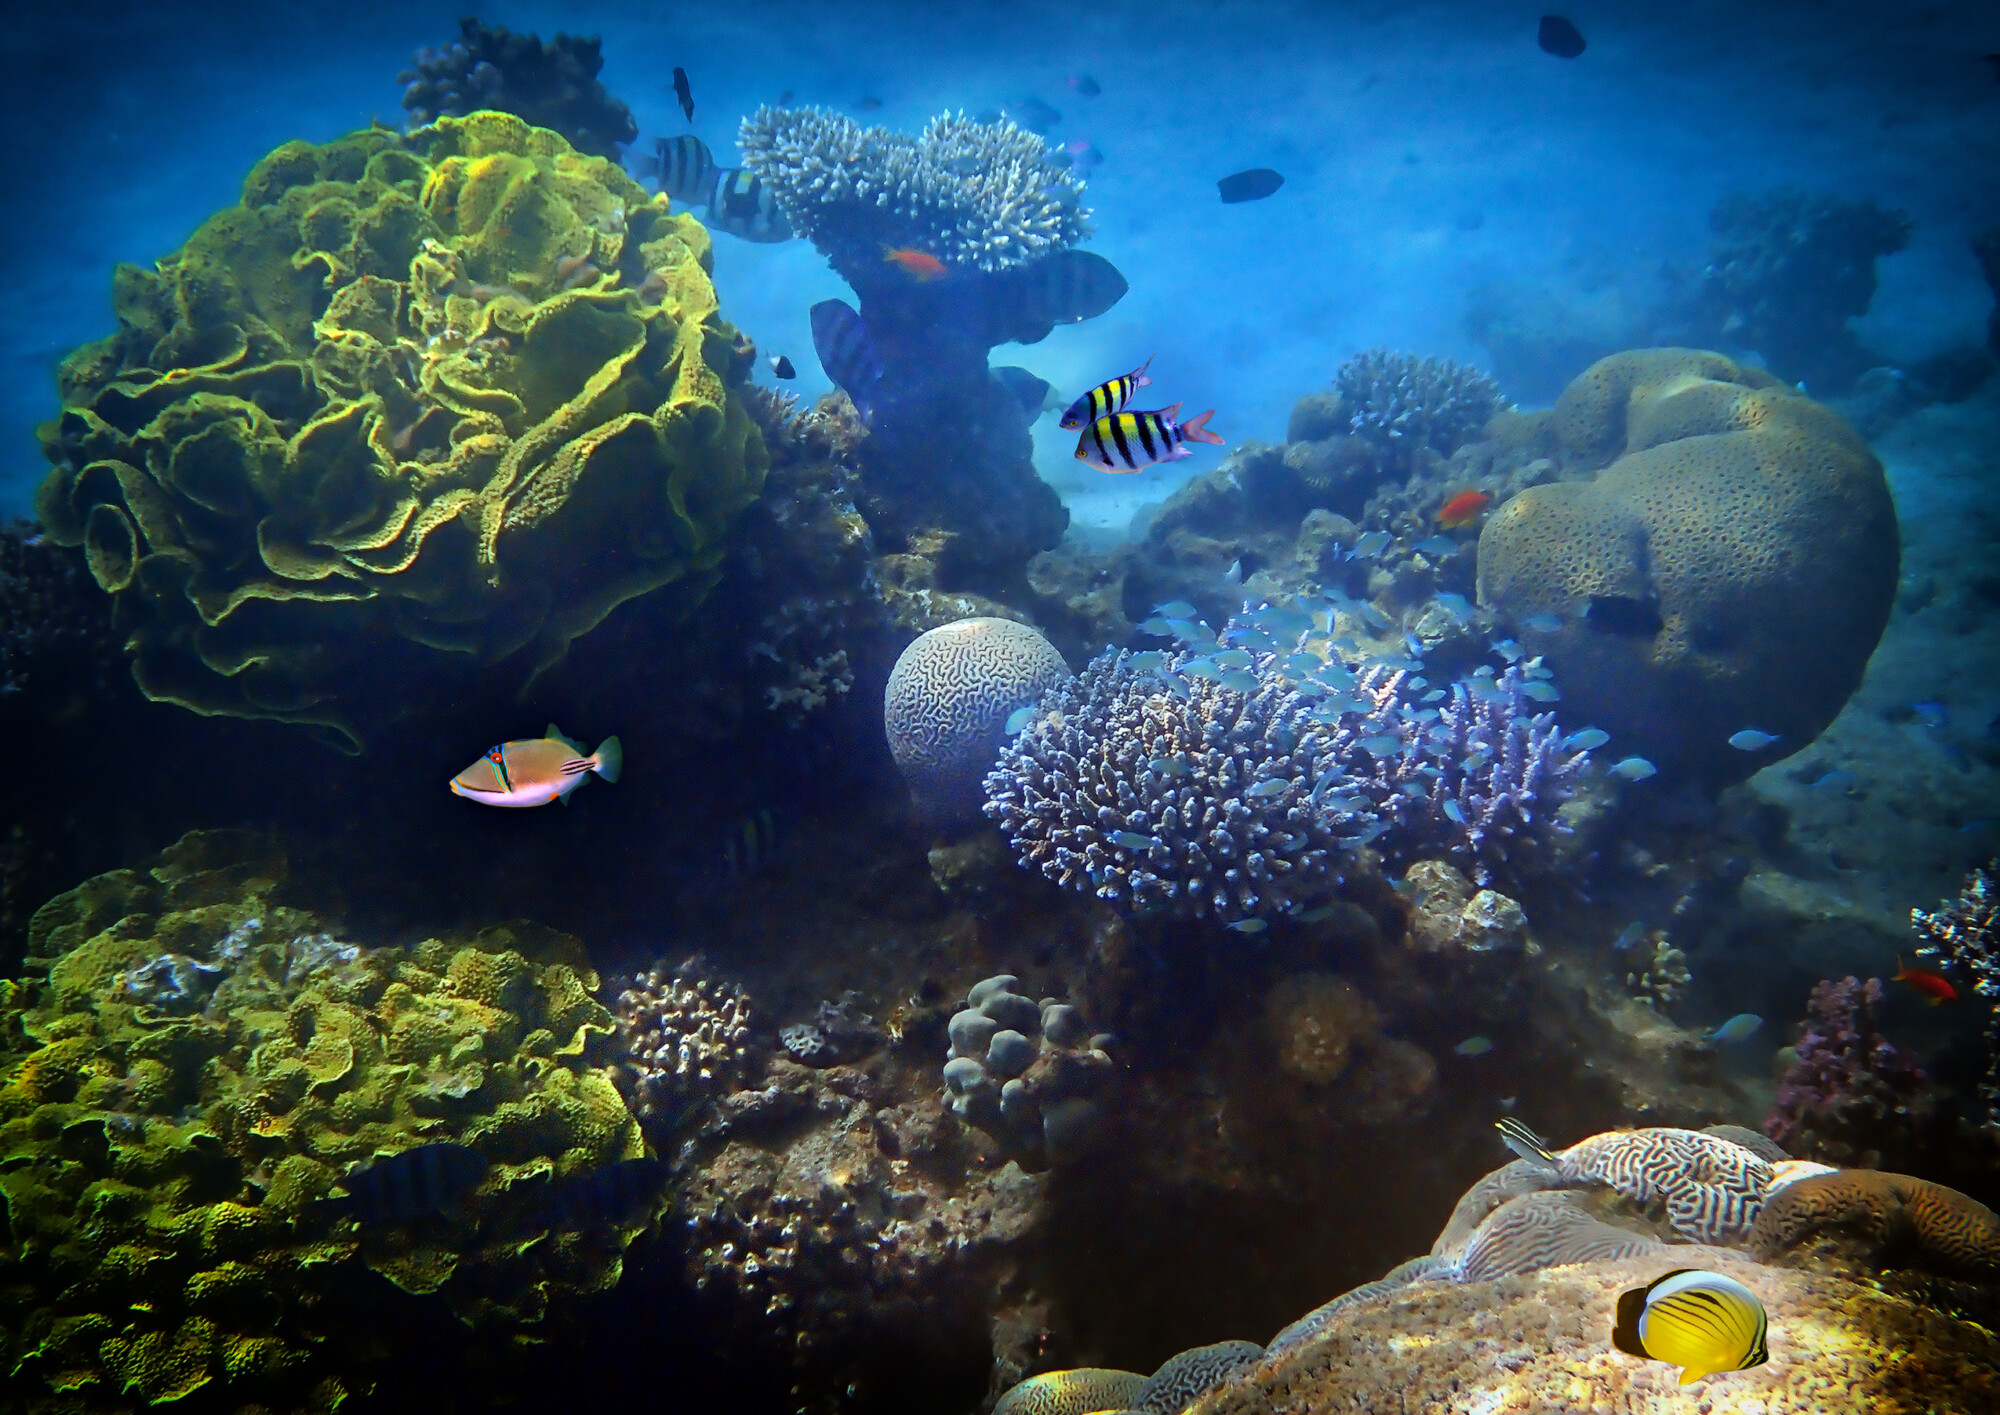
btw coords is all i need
(987, 196)
(1400, 403)
(1966, 932)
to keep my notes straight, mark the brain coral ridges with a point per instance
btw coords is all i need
(199, 1064)
(415, 406)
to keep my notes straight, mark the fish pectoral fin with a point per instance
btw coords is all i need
(1693, 1374)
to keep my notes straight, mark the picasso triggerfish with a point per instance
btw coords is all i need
(536, 771)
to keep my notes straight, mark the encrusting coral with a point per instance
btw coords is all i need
(412, 407)
(197, 1068)
(1732, 566)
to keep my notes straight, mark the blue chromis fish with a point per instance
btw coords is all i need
(1543, 623)
(1156, 626)
(1751, 740)
(1635, 769)
(1112, 396)
(1240, 680)
(1131, 442)
(1176, 609)
(1018, 720)
(1588, 739)
(1701, 1321)
(1474, 1046)
(1249, 926)
(1739, 1028)
(534, 772)
(1265, 790)
(1202, 668)
(1234, 658)
(1131, 840)
(1540, 691)
(1370, 546)
(744, 207)
(404, 1187)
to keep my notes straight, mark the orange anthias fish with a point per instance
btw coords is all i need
(536, 771)
(920, 266)
(1463, 509)
(1935, 987)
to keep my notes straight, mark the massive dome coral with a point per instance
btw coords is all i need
(415, 404)
(1732, 567)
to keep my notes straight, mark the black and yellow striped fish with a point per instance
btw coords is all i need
(1701, 1321)
(743, 206)
(684, 168)
(1131, 442)
(1109, 397)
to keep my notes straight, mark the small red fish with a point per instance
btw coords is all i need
(1463, 509)
(920, 266)
(1935, 987)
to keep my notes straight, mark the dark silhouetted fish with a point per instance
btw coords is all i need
(1252, 185)
(748, 845)
(1622, 614)
(427, 1180)
(869, 103)
(1085, 85)
(1559, 37)
(1062, 288)
(1034, 115)
(684, 168)
(782, 367)
(743, 206)
(618, 1193)
(684, 93)
(1033, 392)
(847, 353)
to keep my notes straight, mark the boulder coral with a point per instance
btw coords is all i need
(414, 404)
(1732, 566)
(164, 1150)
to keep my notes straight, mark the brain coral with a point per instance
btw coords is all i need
(1732, 567)
(162, 1147)
(1883, 1220)
(414, 405)
(948, 701)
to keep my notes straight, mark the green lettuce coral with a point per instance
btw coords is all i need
(197, 1064)
(414, 405)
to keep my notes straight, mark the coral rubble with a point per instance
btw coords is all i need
(552, 85)
(184, 1084)
(413, 408)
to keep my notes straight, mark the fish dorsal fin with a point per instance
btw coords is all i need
(555, 734)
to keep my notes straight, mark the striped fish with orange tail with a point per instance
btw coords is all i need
(536, 771)
(1131, 442)
(1108, 397)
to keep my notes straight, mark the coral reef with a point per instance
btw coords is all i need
(56, 636)
(1732, 566)
(1404, 406)
(1965, 932)
(1849, 1097)
(1789, 268)
(412, 409)
(948, 701)
(686, 1040)
(1029, 1074)
(1864, 1221)
(552, 85)
(183, 1086)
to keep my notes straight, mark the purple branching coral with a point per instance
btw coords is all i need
(1849, 1097)
(1965, 932)
(1237, 783)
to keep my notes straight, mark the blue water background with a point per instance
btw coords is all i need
(1428, 148)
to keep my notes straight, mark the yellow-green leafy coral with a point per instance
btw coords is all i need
(197, 1064)
(417, 404)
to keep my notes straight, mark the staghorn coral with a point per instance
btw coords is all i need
(687, 1040)
(1849, 1096)
(987, 196)
(167, 1147)
(1733, 565)
(1028, 1074)
(414, 407)
(1965, 932)
(551, 85)
(948, 700)
(1403, 406)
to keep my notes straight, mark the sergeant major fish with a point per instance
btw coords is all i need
(536, 771)
(744, 207)
(684, 168)
(1108, 397)
(404, 1187)
(1129, 442)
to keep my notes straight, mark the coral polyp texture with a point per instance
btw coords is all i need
(1965, 932)
(412, 408)
(552, 85)
(198, 1066)
(1398, 403)
(687, 1040)
(1850, 1094)
(986, 196)
(1732, 566)
(948, 700)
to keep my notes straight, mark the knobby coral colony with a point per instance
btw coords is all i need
(1966, 932)
(420, 405)
(1197, 793)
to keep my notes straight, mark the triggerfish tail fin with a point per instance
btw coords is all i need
(610, 758)
(1195, 429)
(1525, 1142)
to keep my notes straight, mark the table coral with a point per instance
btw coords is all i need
(1732, 566)
(164, 1152)
(413, 406)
